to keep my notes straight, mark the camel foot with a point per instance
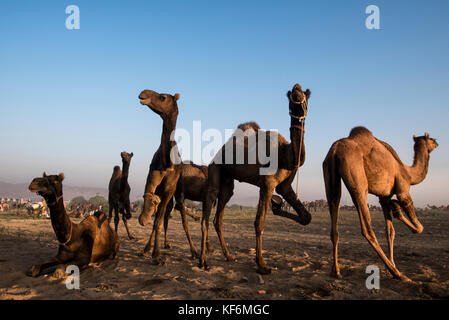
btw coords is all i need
(131, 237)
(167, 246)
(230, 258)
(144, 254)
(209, 249)
(336, 274)
(34, 272)
(403, 278)
(158, 261)
(203, 264)
(263, 270)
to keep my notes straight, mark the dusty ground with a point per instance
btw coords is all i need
(300, 256)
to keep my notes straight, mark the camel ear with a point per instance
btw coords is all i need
(44, 175)
(414, 138)
(177, 96)
(308, 92)
(132, 153)
(289, 93)
(61, 176)
(426, 134)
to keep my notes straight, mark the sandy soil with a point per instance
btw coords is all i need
(299, 255)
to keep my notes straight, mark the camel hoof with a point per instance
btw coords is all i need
(194, 255)
(34, 272)
(144, 254)
(131, 237)
(263, 270)
(158, 261)
(203, 265)
(404, 278)
(167, 246)
(230, 259)
(336, 274)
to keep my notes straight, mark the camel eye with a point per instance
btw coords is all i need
(162, 98)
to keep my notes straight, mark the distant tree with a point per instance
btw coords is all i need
(98, 201)
(77, 201)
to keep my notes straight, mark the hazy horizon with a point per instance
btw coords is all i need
(69, 102)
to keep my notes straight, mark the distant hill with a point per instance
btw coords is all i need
(20, 190)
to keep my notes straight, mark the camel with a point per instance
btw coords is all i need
(368, 165)
(192, 185)
(91, 240)
(119, 191)
(222, 175)
(168, 177)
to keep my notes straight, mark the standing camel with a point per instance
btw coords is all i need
(119, 191)
(91, 240)
(368, 165)
(168, 177)
(222, 175)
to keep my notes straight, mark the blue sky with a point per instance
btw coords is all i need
(68, 98)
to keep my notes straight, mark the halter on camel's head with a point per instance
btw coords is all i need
(298, 104)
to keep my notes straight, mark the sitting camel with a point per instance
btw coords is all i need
(119, 191)
(92, 240)
(368, 165)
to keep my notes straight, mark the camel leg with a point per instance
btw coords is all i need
(116, 217)
(182, 209)
(166, 218)
(194, 217)
(265, 195)
(226, 192)
(151, 199)
(38, 268)
(389, 228)
(111, 207)
(157, 227)
(332, 181)
(286, 191)
(360, 201)
(406, 203)
(125, 222)
(213, 189)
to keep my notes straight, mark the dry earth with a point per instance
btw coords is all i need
(299, 255)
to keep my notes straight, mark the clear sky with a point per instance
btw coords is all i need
(68, 98)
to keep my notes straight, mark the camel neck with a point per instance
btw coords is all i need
(168, 127)
(297, 132)
(124, 177)
(418, 170)
(61, 223)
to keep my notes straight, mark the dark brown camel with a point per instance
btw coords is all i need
(222, 175)
(119, 191)
(192, 185)
(368, 165)
(92, 240)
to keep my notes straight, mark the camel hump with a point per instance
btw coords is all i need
(390, 148)
(249, 125)
(360, 131)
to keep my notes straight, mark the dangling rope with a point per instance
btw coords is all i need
(299, 157)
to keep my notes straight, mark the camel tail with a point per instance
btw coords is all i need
(332, 181)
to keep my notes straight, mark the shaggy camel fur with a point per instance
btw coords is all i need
(222, 175)
(368, 165)
(119, 191)
(91, 240)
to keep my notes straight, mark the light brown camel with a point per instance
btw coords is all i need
(119, 191)
(91, 240)
(368, 165)
(168, 177)
(222, 174)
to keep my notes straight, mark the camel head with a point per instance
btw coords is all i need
(163, 104)
(48, 187)
(298, 101)
(429, 142)
(126, 156)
